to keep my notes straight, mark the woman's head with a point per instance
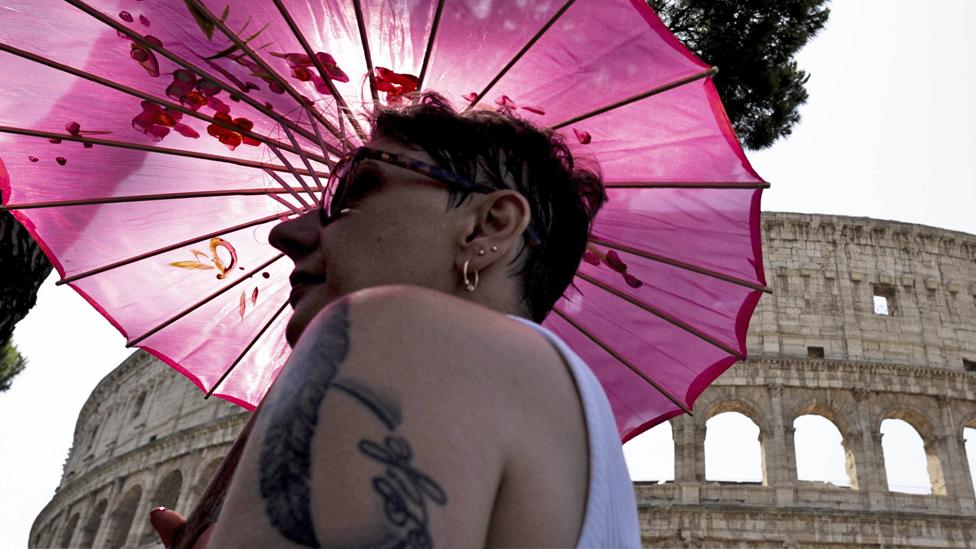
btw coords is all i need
(504, 197)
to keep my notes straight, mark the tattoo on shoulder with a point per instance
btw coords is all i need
(285, 460)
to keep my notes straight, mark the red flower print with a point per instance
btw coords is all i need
(232, 138)
(396, 85)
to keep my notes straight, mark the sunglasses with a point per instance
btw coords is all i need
(340, 183)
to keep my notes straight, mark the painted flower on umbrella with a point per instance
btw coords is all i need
(303, 69)
(144, 56)
(193, 92)
(156, 122)
(232, 138)
(396, 85)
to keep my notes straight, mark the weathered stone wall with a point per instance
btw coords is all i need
(824, 270)
(144, 438)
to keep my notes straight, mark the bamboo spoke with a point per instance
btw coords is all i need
(430, 44)
(679, 264)
(603, 345)
(135, 341)
(232, 36)
(654, 91)
(662, 315)
(151, 149)
(552, 20)
(285, 185)
(361, 22)
(146, 198)
(145, 96)
(343, 107)
(171, 247)
(245, 351)
(240, 93)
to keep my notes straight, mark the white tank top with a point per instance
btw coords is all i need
(610, 518)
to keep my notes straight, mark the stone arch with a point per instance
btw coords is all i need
(818, 457)
(205, 474)
(930, 442)
(839, 416)
(120, 521)
(94, 522)
(969, 448)
(650, 455)
(167, 493)
(750, 411)
(69, 530)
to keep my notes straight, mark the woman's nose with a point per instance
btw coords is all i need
(296, 237)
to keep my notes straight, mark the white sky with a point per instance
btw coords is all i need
(886, 134)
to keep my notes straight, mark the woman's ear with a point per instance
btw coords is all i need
(495, 229)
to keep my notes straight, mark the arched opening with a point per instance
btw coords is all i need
(121, 519)
(168, 491)
(203, 480)
(650, 455)
(733, 452)
(90, 529)
(820, 454)
(69, 530)
(906, 463)
(969, 436)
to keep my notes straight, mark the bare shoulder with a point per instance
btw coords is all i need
(395, 421)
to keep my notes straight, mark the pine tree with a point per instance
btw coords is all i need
(752, 42)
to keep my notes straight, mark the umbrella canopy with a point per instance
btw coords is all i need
(149, 147)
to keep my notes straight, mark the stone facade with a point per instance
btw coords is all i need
(146, 438)
(818, 347)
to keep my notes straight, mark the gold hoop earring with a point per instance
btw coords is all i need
(468, 285)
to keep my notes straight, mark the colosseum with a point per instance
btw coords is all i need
(868, 321)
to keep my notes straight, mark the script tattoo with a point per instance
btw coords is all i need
(404, 489)
(285, 462)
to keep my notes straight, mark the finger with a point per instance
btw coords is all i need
(167, 523)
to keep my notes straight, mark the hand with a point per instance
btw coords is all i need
(168, 524)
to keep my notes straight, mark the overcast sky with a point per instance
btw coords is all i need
(886, 134)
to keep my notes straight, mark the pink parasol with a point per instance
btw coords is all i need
(149, 147)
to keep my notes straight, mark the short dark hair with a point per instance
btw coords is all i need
(505, 151)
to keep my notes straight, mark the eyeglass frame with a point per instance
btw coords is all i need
(433, 171)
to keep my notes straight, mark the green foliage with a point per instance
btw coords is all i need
(752, 42)
(11, 363)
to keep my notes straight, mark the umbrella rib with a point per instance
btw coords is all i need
(150, 148)
(430, 44)
(141, 95)
(662, 315)
(644, 95)
(680, 264)
(285, 185)
(135, 341)
(685, 185)
(281, 120)
(262, 63)
(361, 23)
(342, 105)
(301, 154)
(245, 351)
(171, 247)
(603, 345)
(535, 38)
(147, 198)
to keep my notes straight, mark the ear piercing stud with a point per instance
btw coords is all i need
(494, 248)
(481, 252)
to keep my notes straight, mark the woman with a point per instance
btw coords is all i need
(421, 406)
